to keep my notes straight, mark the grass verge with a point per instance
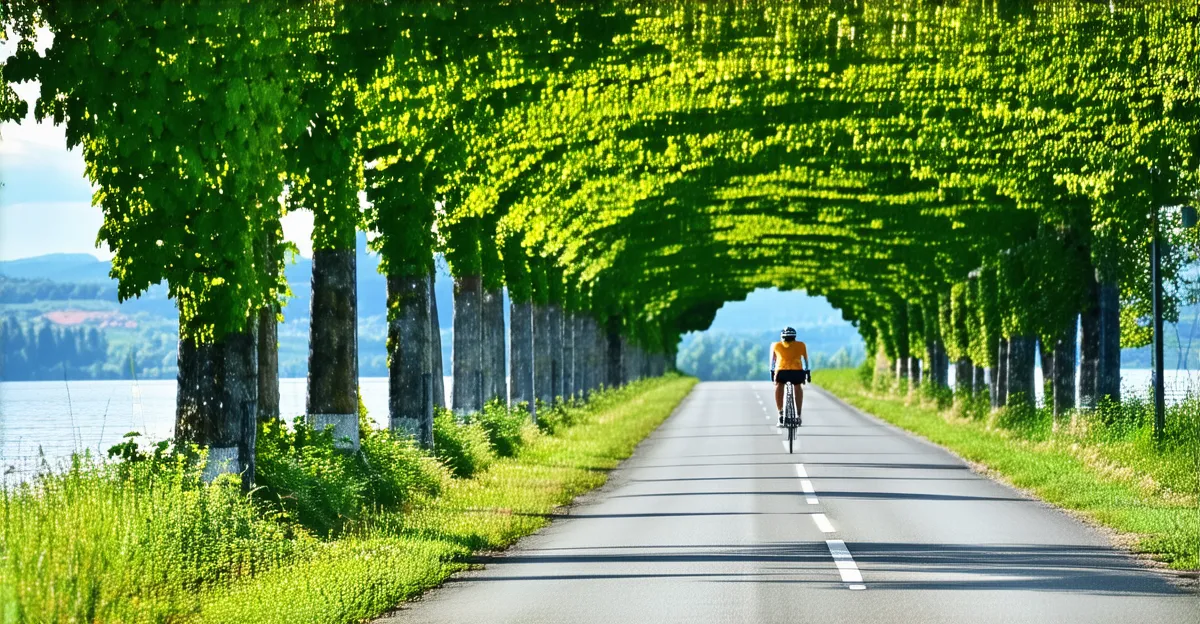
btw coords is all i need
(325, 537)
(395, 556)
(1118, 479)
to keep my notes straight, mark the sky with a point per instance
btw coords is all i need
(45, 198)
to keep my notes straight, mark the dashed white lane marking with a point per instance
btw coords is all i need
(823, 523)
(810, 494)
(845, 564)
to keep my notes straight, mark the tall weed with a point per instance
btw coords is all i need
(507, 428)
(462, 446)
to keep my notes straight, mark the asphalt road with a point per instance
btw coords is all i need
(710, 522)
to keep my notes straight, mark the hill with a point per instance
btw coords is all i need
(69, 295)
(75, 268)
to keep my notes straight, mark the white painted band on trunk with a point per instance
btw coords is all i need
(823, 523)
(844, 562)
(221, 460)
(345, 428)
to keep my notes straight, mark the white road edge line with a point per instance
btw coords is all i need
(823, 523)
(800, 472)
(845, 564)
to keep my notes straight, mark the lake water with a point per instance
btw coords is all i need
(53, 419)
(1135, 382)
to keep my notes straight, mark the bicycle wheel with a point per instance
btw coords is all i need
(791, 439)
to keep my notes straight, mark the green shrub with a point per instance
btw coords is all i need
(462, 447)
(301, 473)
(322, 487)
(1020, 417)
(559, 416)
(866, 372)
(399, 471)
(972, 405)
(940, 395)
(507, 428)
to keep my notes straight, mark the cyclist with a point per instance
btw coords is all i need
(786, 365)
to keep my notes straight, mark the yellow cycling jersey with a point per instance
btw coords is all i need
(786, 356)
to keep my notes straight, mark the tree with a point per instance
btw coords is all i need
(190, 213)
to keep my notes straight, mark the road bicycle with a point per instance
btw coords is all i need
(791, 417)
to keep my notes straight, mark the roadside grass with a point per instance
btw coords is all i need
(394, 556)
(328, 537)
(1104, 464)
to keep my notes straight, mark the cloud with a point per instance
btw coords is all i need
(297, 229)
(36, 166)
(37, 228)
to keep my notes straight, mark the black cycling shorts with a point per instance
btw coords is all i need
(795, 376)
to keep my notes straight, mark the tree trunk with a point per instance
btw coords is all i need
(1002, 373)
(929, 370)
(1020, 370)
(915, 372)
(603, 357)
(556, 352)
(964, 376)
(410, 359)
(945, 365)
(902, 373)
(268, 365)
(1089, 350)
(583, 344)
(884, 368)
(599, 355)
(495, 377)
(1064, 371)
(992, 375)
(333, 347)
(467, 391)
(521, 352)
(436, 370)
(613, 357)
(979, 380)
(593, 363)
(1047, 354)
(627, 356)
(217, 402)
(570, 332)
(936, 372)
(1108, 373)
(500, 348)
(543, 375)
(628, 361)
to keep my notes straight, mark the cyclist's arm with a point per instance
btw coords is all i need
(771, 364)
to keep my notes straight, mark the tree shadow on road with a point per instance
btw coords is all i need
(885, 566)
